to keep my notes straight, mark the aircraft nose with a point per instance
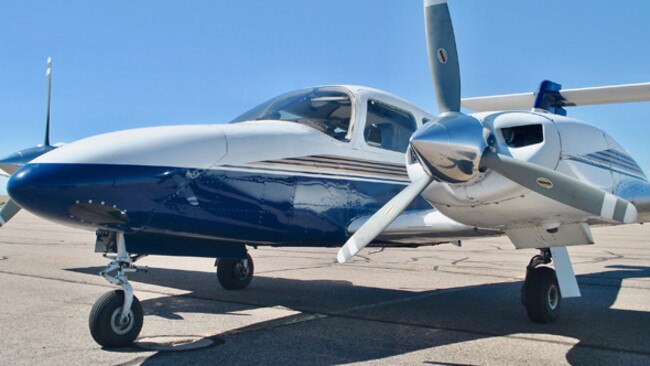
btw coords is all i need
(54, 191)
(24, 185)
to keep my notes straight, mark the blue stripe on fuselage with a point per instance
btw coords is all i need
(252, 207)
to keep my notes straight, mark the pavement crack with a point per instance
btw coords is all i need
(459, 260)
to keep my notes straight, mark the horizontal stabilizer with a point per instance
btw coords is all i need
(571, 97)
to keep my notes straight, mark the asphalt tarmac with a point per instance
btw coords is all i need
(441, 305)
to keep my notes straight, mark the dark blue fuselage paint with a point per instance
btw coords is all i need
(228, 206)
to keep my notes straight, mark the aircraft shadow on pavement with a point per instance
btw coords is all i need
(365, 323)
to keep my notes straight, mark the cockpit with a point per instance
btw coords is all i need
(326, 109)
(367, 118)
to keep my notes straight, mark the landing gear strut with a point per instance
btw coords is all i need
(235, 274)
(116, 318)
(541, 293)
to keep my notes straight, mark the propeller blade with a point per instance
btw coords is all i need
(381, 219)
(562, 188)
(48, 73)
(443, 57)
(8, 211)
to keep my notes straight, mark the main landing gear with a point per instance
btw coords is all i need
(235, 274)
(540, 293)
(116, 318)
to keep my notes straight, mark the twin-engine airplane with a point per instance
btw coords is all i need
(314, 166)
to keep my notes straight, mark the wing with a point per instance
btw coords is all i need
(422, 227)
(568, 97)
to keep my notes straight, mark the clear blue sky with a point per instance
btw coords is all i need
(125, 64)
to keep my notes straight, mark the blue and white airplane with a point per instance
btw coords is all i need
(347, 166)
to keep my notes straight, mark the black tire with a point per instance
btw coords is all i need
(542, 296)
(104, 316)
(233, 274)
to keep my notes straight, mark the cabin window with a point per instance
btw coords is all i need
(328, 110)
(388, 127)
(521, 136)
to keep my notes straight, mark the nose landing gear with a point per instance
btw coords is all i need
(116, 318)
(540, 293)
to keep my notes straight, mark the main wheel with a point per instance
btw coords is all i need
(542, 296)
(104, 320)
(235, 274)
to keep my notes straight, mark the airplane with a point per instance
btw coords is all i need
(347, 166)
(11, 163)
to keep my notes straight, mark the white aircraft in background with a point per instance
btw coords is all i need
(352, 166)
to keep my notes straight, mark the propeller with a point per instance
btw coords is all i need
(450, 147)
(562, 188)
(454, 147)
(381, 219)
(48, 74)
(9, 210)
(15, 161)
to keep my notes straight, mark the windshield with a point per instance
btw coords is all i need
(326, 109)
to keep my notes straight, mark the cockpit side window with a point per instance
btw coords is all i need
(521, 136)
(388, 127)
(327, 110)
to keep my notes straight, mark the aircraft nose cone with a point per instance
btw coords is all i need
(451, 147)
(55, 191)
(32, 187)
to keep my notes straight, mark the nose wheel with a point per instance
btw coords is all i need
(541, 293)
(116, 318)
(235, 274)
(107, 325)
